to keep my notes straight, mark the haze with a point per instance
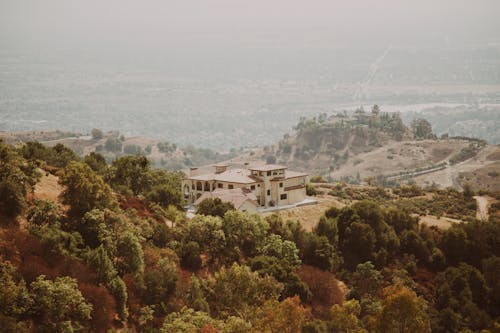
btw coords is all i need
(158, 68)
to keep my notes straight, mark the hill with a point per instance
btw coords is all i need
(365, 147)
(112, 144)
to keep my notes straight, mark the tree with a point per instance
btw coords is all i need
(270, 159)
(58, 305)
(345, 317)
(166, 195)
(238, 291)
(130, 257)
(190, 255)
(287, 316)
(106, 273)
(12, 201)
(187, 321)
(213, 207)
(97, 134)
(285, 251)
(96, 162)
(159, 283)
(422, 129)
(113, 144)
(402, 311)
(15, 300)
(43, 213)
(131, 172)
(84, 190)
(366, 279)
(195, 297)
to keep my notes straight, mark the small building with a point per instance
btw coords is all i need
(270, 185)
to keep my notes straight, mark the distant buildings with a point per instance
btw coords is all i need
(247, 188)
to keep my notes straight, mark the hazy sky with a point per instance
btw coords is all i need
(164, 24)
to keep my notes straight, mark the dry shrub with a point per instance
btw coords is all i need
(103, 304)
(208, 329)
(325, 288)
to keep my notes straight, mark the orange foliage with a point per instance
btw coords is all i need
(103, 304)
(208, 329)
(324, 287)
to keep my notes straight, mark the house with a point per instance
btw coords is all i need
(266, 185)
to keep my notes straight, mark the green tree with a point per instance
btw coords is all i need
(130, 257)
(84, 190)
(238, 291)
(12, 198)
(345, 317)
(195, 297)
(15, 300)
(131, 172)
(96, 162)
(159, 283)
(187, 321)
(366, 279)
(213, 207)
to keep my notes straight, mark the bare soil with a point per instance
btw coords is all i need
(308, 216)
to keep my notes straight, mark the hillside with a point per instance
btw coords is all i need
(377, 147)
(112, 144)
(91, 247)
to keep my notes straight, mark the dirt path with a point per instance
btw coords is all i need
(48, 188)
(483, 206)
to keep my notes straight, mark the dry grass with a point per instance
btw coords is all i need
(399, 156)
(308, 216)
(48, 188)
(442, 223)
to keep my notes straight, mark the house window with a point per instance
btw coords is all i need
(281, 184)
(252, 187)
(230, 186)
(268, 192)
(220, 185)
(283, 196)
(269, 173)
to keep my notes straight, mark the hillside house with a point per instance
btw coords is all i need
(266, 185)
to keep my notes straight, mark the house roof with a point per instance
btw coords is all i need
(237, 197)
(241, 176)
(267, 167)
(293, 174)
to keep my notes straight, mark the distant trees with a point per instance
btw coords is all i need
(97, 134)
(132, 149)
(422, 129)
(113, 144)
